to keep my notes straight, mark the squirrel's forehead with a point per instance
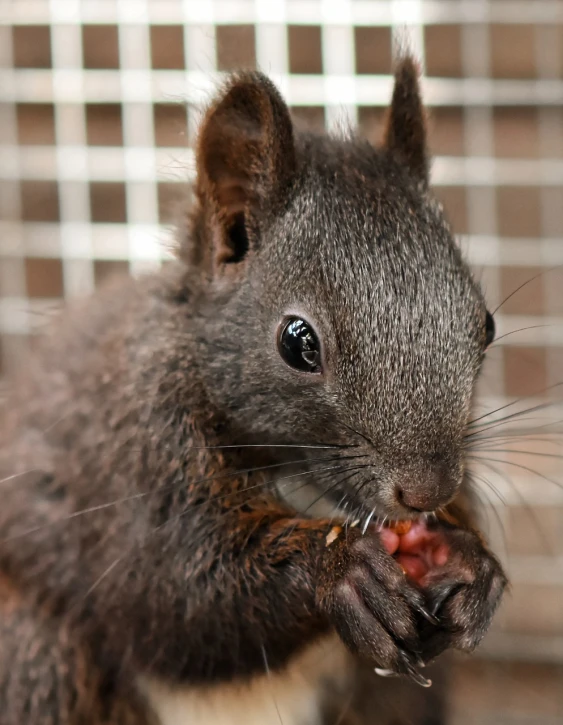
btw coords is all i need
(360, 213)
(362, 265)
(352, 243)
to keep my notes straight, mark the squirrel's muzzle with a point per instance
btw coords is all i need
(428, 489)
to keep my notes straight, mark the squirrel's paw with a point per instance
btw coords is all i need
(372, 605)
(463, 591)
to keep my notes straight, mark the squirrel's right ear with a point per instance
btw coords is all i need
(245, 160)
(405, 131)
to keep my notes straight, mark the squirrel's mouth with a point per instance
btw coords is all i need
(417, 544)
(417, 547)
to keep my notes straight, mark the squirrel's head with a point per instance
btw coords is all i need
(334, 305)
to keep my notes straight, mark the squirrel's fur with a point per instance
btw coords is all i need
(142, 531)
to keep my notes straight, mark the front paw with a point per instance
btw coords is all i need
(463, 584)
(370, 602)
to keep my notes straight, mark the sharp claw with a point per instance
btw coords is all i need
(429, 616)
(420, 662)
(385, 673)
(413, 673)
(411, 670)
(439, 600)
(444, 594)
(419, 679)
(436, 606)
(415, 603)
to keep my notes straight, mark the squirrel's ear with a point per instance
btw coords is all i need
(245, 159)
(405, 131)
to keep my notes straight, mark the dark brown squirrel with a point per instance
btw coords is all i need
(319, 331)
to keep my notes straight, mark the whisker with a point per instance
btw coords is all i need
(56, 423)
(513, 332)
(137, 496)
(521, 466)
(106, 573)
(493, 488)
(539, 274)
(518, 452)
(361, 435)
(17, 475)
(513, 402)
(525, 433)
(327, 446)
(488, 506)
(301, 513)
(526, 506)
(345, 709)
(183, 513)
(363, 484)
(269, 675)
(502, 421)
(339, 507)
(325, 492)
(518, 435)
(174, 519)
(275, 445)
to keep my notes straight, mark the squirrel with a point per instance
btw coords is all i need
(198, 466)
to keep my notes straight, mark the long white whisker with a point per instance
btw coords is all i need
(17, 475)
(269, 675)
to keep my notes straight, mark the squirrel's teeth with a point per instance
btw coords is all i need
(366, 522)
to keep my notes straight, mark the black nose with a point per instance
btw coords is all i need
(429, 490)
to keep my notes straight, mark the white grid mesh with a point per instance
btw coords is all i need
(138, 165)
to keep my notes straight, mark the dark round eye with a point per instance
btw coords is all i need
(489, 329)
(299, 346)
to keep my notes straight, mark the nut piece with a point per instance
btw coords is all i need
(333, 534)
(401, 527)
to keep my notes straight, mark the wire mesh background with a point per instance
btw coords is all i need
(100, 101)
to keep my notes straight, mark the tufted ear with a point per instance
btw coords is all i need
(245, 160)
(405, 131)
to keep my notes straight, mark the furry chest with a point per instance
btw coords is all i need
(293, 696)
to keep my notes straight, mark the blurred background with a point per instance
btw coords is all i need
(99, 103)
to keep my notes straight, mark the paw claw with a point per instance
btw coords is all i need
(384, 673)
(412, 671)
(420, 680)
(439, 597)
(429, 616)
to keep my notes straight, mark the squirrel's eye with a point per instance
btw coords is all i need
(299, 346)
(489, 329)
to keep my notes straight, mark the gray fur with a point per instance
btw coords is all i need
(139, 538)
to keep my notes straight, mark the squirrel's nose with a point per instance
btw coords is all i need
(426, 492)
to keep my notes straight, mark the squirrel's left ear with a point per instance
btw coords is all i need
(245, 161)
(405, 132)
